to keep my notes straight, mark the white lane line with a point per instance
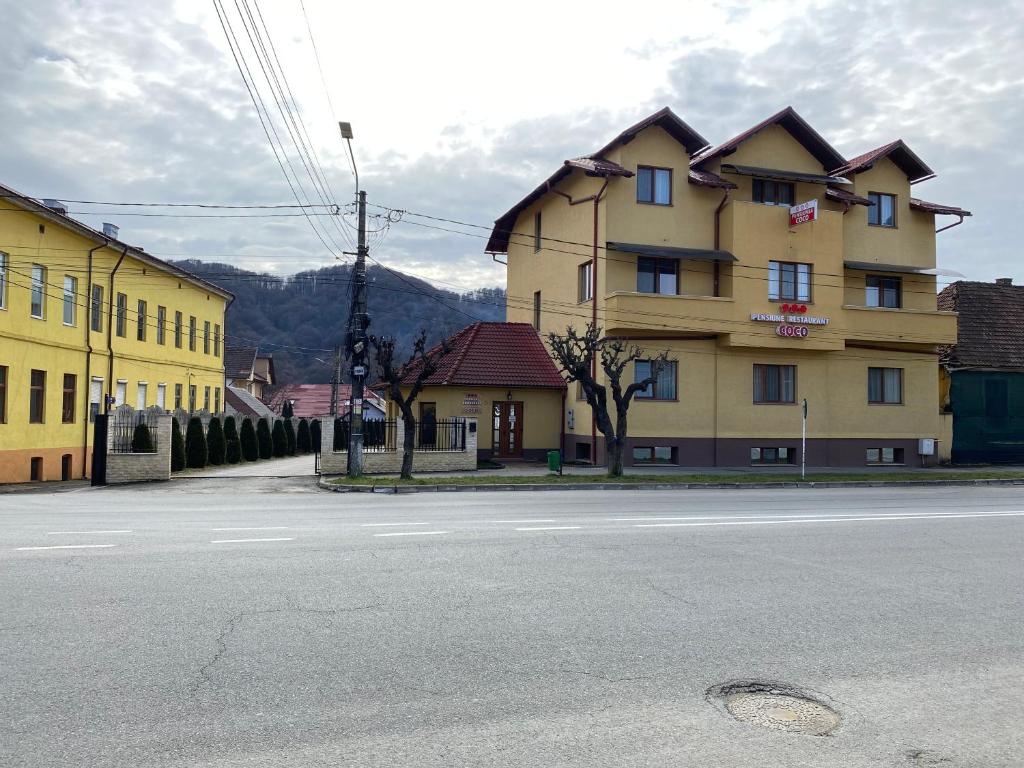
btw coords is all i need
(83, 532)
(552, 528)
(882, 518)
(473, 522)
(68, 546)
(788, 517)
(412, 533)
(260, 528)
(247, 541)
(388, 525)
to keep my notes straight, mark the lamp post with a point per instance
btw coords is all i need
(358, 321)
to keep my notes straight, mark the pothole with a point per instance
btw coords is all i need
(776, 706)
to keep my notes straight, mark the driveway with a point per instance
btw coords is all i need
(292, 466)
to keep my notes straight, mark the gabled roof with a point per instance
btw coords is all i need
(315, 399)
(899, 153)
(595, 164)
(245, 403)
(798, 128)
(239, 361)
(37, 207)
(990, 325)
(494, 355)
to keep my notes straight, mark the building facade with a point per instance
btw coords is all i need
(88, 322)
(771, 268)
(245, 368)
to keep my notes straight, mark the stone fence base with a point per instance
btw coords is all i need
(141, 467)
(390, 462)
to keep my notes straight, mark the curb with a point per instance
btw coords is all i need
(443, 488)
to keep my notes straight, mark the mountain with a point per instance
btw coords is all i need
(302, 317)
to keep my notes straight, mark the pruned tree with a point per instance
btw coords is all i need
(177, 447)
(582, 357)
(303, 440)
(412, 376)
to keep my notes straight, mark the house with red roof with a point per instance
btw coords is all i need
(502, 375)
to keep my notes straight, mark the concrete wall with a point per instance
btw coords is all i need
(390, 462)
(142, 467)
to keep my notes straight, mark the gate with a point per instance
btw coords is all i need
(98, 476)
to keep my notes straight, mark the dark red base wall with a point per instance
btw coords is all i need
(735, 452)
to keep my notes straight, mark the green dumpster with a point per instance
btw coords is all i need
(555, 461)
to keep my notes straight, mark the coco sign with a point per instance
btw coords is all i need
(792, 322)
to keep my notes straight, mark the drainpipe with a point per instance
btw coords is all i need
(561, 433)
(110, 333)
(950, 226)
(718, 217)
(88, 359)
(593, 313)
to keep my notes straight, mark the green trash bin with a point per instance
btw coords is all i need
(555, 461)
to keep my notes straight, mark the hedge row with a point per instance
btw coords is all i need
(223, 443)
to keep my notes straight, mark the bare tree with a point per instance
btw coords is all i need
(576, 355)
(420, 366)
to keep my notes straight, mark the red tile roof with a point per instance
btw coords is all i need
(315, 399)
(494, 355)
(709, 179)
(990, 325)
(924, 205)
(598, 166)
(846, 197)
(898, 152)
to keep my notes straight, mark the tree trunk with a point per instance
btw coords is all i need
(409, 442)
(614, 457)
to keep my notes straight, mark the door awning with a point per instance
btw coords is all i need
(772, 173)
(869, 266)
(666, 252)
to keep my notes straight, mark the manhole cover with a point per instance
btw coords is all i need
(776, 706)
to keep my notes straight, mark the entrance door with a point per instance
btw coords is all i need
(508, 428)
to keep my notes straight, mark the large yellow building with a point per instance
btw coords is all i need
(762, 302)
(85, 317)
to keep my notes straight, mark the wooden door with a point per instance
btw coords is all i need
(507, 441)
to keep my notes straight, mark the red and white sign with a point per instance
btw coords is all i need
(792, 331)
(801, 214)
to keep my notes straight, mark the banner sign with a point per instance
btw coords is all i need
(801, 214)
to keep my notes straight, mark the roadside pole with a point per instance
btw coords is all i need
(358, 349)
(803, 443)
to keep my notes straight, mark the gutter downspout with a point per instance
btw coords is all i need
(561, 432)
(110, 334)
(88, 362)
(718, 218)
(950, 226)
(593, 314)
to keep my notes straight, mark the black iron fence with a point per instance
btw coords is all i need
(380, 436)
(441, 435)
(133, 432)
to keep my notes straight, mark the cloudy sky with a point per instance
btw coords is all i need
(460, 108)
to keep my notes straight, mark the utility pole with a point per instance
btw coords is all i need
(357, 341)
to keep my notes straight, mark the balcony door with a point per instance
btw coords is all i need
(507, 429)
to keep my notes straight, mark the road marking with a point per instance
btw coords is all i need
(246, 541)
(412, 533)
(512, 521)
(261, 528)
(68, 546)
(84, 533)
(552, 528)
(882, 518)
(388, 525)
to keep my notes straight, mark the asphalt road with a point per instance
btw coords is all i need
(262, 623)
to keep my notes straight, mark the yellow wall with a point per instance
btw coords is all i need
(50, 345)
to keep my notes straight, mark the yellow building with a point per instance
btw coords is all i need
(88, 322)
(771, 268)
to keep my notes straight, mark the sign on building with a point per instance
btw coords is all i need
(802, 213)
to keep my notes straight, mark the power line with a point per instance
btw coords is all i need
(163, 205)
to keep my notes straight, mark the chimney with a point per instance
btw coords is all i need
(110, 230)
(1004, 281)
(56, 205)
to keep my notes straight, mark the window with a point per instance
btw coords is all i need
(95, 395)
(161, 396)
(37, 397)
(206, 398)
(38, 291)
(122, 312)
(177, 397)
(177, 329)
(121, 393)
(143, 320)
(774, 383)
(216, 340)
(141, 393)
(536, 310)
(885, 385)
(662, 389)
(96, 308)
(192, 333)
(654, 454)
(883, 291)
(3, 394)
(657, 275)
(772, 456)
(161, 323)
(70, 299)
(884, 455)
(536, 232)
(882, 211)
(582, 451)
(191, 398)
(216, 400)
(581, 393)
(67, 408)
(65, 466)
(206, 337)
(788, 281)
(585, 274)
(654, 185)
(3, 280)
(773, 192)
(997, 400)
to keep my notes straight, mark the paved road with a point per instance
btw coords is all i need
(262, 623)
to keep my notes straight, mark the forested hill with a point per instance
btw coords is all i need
(302, 317)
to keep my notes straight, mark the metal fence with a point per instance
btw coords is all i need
(123, 428)
(441, 435)
(378, 436)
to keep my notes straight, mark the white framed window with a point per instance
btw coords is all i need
(121, 392)
(3, 280)
(95, 396)
(70, 299)
(38, 291)
(586, 284)
(161, 396)
(143, 391)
